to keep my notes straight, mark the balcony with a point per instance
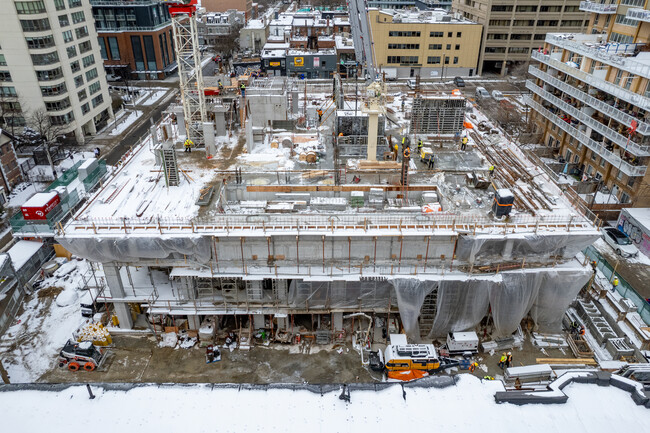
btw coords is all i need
(610, 157)
(599, 8)
(638, 14)
(592, 80)
(601, 106)
(620, 56)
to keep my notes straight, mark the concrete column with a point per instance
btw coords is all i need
(282, 322)
(188, 284)
(208, 135)
(180, 122)
(193, 322)
(258, 321)
(337, 320)
(91, 127)
(79, 135)
(220, 120)
(507, 249)
(114, 283)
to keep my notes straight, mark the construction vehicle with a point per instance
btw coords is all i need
(426, 153)
(81, 355)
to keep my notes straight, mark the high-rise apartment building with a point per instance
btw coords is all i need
(135, 37)
(50, 60)
(513, 28)
(591, 101)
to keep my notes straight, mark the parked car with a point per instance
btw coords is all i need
(113, 77)
(411, 83)
(481, 93)
(619, 242)
(459, 82)
(497, 95)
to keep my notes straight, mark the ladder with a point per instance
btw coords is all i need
(428, 312)
(170, 166)
(254, 291)
(229, 290)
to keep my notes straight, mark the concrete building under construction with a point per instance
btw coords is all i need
(270, 238)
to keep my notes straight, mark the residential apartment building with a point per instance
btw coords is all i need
(135, 37)
(50, 60)
(591, 101)
(214, 27)
(513, 28)
(10, 173)
(429, 44)
(244, 6)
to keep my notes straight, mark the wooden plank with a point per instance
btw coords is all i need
(566, 361)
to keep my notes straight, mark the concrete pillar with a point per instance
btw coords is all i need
(220, 120)
(189, 287)
(208, 135)
(91, 127)
(180, 122)
(282, 322)
(79, 135)
(114, 283)
(507, 249)
(249, 135)
(258, 321)
(372, 136)
(193, 322)
(337, 320)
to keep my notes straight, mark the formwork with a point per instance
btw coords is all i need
(438, 115)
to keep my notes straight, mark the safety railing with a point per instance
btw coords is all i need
(638, 14)
(584, 118)
(599, 8)
(611, 88)
(601, 106)
(616, 161)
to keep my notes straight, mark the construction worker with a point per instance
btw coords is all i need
(420, 145)
(488, 378)
(403, 142)
(594, 265)
(509, 360)
(582, 330)
(407, 152)
(491, 170)
(473, 366)
(340, 134)
(220, 85)
(320, 115)
(188, 145)
(243, 90)
(614, 284)
(502, 360)
(432, 161)
(463, 143)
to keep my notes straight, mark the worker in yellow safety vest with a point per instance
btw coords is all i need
(188, 145)
(614, 284)
(463, 143)
(320, 115)
(491, 170)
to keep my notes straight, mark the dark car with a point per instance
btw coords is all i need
(459, 82)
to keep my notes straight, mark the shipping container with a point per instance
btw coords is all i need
(41, 204)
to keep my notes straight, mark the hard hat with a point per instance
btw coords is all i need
(509, 353)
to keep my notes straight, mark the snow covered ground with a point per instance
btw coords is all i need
(467, 407)
(152, 96)
(125, 122)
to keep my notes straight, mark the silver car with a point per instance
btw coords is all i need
(620, 242)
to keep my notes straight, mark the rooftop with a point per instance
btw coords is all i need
(424, 17)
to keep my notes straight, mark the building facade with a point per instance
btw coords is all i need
(591, 101)
(135, 38)
(50, 60)
(426, 44)
(513, 28)
(226, 5)
(10, 174)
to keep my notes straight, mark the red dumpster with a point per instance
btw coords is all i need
(42, 203)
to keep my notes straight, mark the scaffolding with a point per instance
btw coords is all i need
(440, 115)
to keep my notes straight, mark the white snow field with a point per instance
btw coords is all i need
(467, 407)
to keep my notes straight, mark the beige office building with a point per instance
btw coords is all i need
(50, 59)
(591, 101)
(429, 44)
(512, 29)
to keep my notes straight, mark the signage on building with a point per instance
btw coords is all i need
(316, 62)
(274, 63)
(299, 61)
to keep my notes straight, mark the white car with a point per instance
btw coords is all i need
(620, 242)
(497, 95)
(111, 77)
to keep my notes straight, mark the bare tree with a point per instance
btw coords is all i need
(48, 132)
(230, 42)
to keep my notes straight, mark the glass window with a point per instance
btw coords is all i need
(455, 60)
(114, 47)
(5, 76)
(56, 89)
(35, 25)
(3, 62)
(82, 95)
(40, 42)
(8, 91)
(78, 81)
(81, 32)
(78, 17)
(151, 54)
(72, 52)
(85, 108)
(433, 60)
(91, 75)
(75, 66)
(102, 48)
(97, 100)
(88, 60)
(74, 3)
(31, 7)
(67, 36)
(52, 74)
(85, 47)
(138, 55)
(45, 59)
(64, 21)
(57, 105)
(94, 88)
(59, 4)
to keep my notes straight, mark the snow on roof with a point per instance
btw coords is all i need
(255, 24)
(503, 193)
(22, 251)
(465, 336)
(40, 199)
(3, 259)
(641, 214)
(87, 163)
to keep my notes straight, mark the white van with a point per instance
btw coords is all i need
(411, 83)
(481, 93)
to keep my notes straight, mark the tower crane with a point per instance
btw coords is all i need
(188, 57)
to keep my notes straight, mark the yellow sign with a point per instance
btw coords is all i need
(299, 61)
(274, 63)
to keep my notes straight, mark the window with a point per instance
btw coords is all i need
(500, 23)
(621, 39)
(407, 60)
(630, 181)
(518, 50)
(436, 34)
(94, 88)
(572, 9)
(92, 74)
(621, 19)
(5, 76)
(520, 37)
(72, 52)
(540, 37)
(151, 53)
(52, 74)
(82, 95)
(455, 60)
(404, 33)
(433, 60)
(75, 66)
(88, 60)
(547, 23)
(84, 47)
(3, 62)
(28, 8)
(498, 36)
(550, 8)
(449, 46)
(63, 119)
(64, 21)
(59, 5)
(501, 8)
(85, 108)
(78, 81)
(457, 47)
(633, 2)
(45, 59)
(571, 23)
(523, 23)
(55, 89)
(526, 9)
(8, 91)
(97, 100)
(396, 47)
(495, 49)
(40, 42)
(74, 3)
(78, 17)
(459, 34)
(102, 48)
(435, 46)
(446, 60)
(35, 25)
(57, 105)
(450, 34)
(619, 75)
(67, 36)
(114, 47)
(81, 32)
(138, 55)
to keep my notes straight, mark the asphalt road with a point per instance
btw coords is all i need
(116, 153)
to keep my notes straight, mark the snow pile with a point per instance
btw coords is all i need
(66, 298)
(590, 408)
(169, 339)
(65, 269)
